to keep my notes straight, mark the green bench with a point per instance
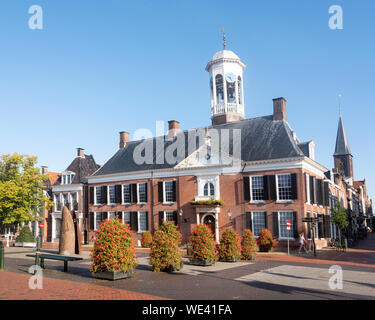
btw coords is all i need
(66, 259)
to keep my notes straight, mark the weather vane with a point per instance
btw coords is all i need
(340, 96)
(224, 38)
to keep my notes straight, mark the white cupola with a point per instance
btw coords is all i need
(226, 85)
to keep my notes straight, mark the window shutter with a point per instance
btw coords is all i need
(91, 195)
(246, 188)
(265, 220)
(294, 186)
(319, 191)
(103, 191)
(174, 191)
(248, 221)
(326, 194)
(305, 182)
(134, 221)
(147, 223)
(146, 191)
(327, 226)
(266, 188)
(175, 217)
(308, 227)
(161, 217)
(160, 191)
(91, 226)
(119, 215)
(104, 215)
(118, 198)
(275, 224)
(321, 227)
(312, 190)
(272, 187)
(295, 225)
(134, 194)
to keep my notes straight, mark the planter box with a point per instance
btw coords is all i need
(172, 268)
(197, 262)
(112, 275)
(229, 260)
(25, 244)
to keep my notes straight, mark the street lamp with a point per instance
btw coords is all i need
(38, 237)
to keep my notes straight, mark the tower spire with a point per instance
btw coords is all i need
(224, 39)
(340, 96)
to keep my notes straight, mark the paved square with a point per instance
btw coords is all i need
(354, 282)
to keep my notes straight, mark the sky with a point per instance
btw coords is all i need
(100, 67)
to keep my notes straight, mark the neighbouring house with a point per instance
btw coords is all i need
(70, 189)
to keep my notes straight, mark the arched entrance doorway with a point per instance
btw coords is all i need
(209, 221)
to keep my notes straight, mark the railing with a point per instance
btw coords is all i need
(221, 108)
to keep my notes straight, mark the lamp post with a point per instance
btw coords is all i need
(38, 238)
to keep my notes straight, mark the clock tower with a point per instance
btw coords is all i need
(226, 85)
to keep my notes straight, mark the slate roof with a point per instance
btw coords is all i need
(342, 144)
(82, 167)
(261, 139)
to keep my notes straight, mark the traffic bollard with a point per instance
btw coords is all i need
(1, 256)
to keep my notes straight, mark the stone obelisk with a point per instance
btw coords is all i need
(67, 234)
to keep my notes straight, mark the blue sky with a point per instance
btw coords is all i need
(100, 67)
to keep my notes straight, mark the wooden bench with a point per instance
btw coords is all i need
(66, 259)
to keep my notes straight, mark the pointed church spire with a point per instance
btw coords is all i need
(342, 144)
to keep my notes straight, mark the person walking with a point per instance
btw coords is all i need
(302, 243)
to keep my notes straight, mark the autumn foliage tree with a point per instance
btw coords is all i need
(21, 186)
(202, 244)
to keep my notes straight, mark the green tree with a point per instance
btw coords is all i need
(339, 217)
(21, 186)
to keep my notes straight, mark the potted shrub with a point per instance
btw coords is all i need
(25, 238)
(165, 251)
(146, 239)
(265, 240)
(113, 256)
(202, 247)
(230, 246)
(248, 245)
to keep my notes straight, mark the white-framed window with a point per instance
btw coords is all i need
(142, 192)
(284, 187)
(98, 195)
(111, 194)
(307, 188)
(142, 221)
(111, 215)
(209, 189)
(284, 216)
(57, 197)
(168, 191)
(126, 193)
(65, 199)
(67, 177)
(169, 216)
(126, 217)
(257, 188)
(258, 221)
(74, 200)
(97, 219)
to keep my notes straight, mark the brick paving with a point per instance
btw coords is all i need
(15, 286)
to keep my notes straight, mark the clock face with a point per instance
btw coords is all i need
(230, 77)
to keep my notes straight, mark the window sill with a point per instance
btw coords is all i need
(141, 203)
(286, 239)
(168, 203)
(284, 201)
(257, 201)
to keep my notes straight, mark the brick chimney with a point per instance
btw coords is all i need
(44, 169)
(80, 152)
(124, 138)
(173, 127)
(279, 109)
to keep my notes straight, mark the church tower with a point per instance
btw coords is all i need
(342, 156)
(226, 85)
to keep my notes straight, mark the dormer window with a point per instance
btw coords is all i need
(67, 177)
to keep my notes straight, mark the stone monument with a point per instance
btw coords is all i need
(67, 234)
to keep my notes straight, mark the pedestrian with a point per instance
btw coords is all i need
(302, 243)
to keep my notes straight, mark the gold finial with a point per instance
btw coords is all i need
(224, 38)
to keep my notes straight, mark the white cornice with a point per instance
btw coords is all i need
(67, 187)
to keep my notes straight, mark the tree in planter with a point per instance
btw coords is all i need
(202, 245)
(230, 246)
(339, 217)
(113, 248)
(146, 240)
(165, 252)
(25, 235)
(249, 245)
(265, 240)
